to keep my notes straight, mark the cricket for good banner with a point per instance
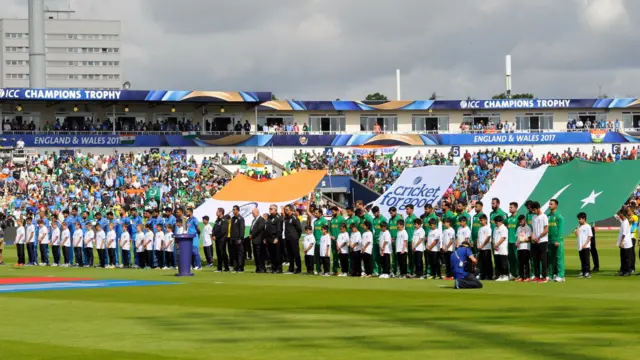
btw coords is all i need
(386, 151)
(418, 186)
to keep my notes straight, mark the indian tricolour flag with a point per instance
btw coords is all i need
(595, 188)
(127, 138)
(189, 134)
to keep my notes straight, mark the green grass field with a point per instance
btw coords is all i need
(256, 316)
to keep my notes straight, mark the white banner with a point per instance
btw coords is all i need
(384, 151)
(418, 186)
(210, 207)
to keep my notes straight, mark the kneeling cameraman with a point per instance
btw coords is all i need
(461, 261)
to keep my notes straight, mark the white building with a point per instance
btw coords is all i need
(79, 53)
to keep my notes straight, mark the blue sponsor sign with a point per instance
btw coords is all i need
(513, 104)
(74, 285)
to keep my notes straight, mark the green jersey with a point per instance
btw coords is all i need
(376, 227)
(530, 219)
(335, 226)
(317, 228)
(410, 226)
(366, 217)
(457, 224)
(493, 215)
(425, 222)
(512, 226)
(393, 225)
(352, 220)
(556, 226)
(475, 226)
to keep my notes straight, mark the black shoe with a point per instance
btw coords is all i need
(595, 270)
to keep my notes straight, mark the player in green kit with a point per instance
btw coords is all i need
(496, 211)
(512, 226)
(336, 221)
(318, 224)
(393, 230)
(530, 216)
(364, 217)
(461, 212)
(377, 220)
(475, 228)
(428, 215)
(409, 226)
(555, 255)
(447, 213)
(351, 220)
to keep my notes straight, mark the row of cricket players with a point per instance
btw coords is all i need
(152, 249)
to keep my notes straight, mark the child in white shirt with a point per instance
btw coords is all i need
(325, 250)
(523, 242)
(464, 233)
(418, 243)
(500, 248)
(101, 246)
(89, 240)
(355, 244)
(342, 248)
(169, 260)
(140, 248)
(448, 238)
(55, 243)
(148, 246)
(624, 243)
(584, 234)
(367, 249)
(67, 247)
(433, 250)
(78, 240)
(484, 249)
(43, 243)
(402, 243)
(111, 245)
(125, 247)
(308, 246)
(31, 241)
(386, 249)
(20, 242)
(159, 247)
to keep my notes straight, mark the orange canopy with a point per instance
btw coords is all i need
(285, 188)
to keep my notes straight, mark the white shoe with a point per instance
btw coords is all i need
(581, 276)
(559, 279)
(511, 278)
(165, 268)
(343, 275)
(532, 278)
(555, 277)
(54, 265)
(502, 279)
(198, 268)
(315, 273)
(325, 274)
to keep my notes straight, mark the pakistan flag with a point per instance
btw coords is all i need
(598, 189)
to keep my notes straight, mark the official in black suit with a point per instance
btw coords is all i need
(220, 230)
(236, 234)
(256, 235)
(273, 233)
(292, 232)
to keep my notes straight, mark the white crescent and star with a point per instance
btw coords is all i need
(591, 199)
(555, 196)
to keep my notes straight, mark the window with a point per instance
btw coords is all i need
(534, 121)
(73, 36)
(386, 122)
(17, 62)
(327, 122)
(431, 122)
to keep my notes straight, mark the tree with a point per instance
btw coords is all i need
(603, 96)
(274, 97)
(376, 96)
(434, 96)
(513, 96)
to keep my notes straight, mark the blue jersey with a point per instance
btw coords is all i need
(71, 223)
(171, 220)
(459, 260)
(134, 222)
(192, 228)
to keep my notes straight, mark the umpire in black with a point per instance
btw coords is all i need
(220, 230)
(256, 235)
(292, 232)
(236, 234)
(273, 234)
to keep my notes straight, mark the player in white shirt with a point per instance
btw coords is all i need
(484, 249)
(169, 260)
(43, 243)
(418, 243)
(624, 243)
(448, 239)
(523, 243)
(539, 242)
(101, 246)
(386, 249)
(140, 252)
(30, 232)
(125, 247)
(148, 246)
(433, 249)
(584, 234)
(77, 242)
(402, 244)
(89, 241)
(308, 246)
(67, 247)
(342, 248)
(355, 244)
(55, 242)
(207, 243)
(464, 233)
(367, 249)
(500, 248)
(20, 242)
(158, 247)
(112, 244)
(325, 250)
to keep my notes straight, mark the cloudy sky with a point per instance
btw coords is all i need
(328, 49)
